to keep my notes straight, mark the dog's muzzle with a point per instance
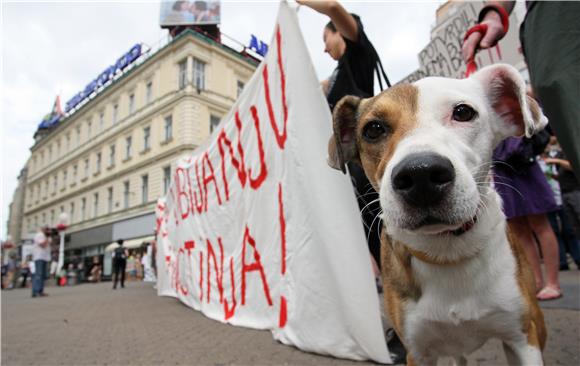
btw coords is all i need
(423, 180)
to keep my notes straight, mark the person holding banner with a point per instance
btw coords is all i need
(346, 42)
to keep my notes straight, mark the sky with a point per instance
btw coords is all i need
(51, 48)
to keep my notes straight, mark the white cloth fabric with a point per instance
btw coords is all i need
(39, 252)
(257, 231)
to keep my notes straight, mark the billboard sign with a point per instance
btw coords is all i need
(198, 12)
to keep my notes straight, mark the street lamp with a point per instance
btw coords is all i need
(61, 227)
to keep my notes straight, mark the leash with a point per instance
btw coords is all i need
(471, 65)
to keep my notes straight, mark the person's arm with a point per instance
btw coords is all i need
(561, 162)
(344, 22)
(495, 30)
(325, 84)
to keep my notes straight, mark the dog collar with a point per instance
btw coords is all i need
(463, 229)
(424, 257)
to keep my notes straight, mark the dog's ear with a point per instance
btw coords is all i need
(342, 145)
(506, 92)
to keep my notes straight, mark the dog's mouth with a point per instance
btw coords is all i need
(434, 226)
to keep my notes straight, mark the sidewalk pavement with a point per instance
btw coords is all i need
(91, 324)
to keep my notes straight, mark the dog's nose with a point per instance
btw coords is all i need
(423, 179)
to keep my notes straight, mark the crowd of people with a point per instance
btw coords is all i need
(42, 265)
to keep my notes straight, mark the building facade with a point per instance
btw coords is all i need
(106, 164)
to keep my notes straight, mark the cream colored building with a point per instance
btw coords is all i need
(106, 164)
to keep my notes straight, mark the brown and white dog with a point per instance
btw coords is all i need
(453, 275)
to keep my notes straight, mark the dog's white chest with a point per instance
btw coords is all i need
(462, 306)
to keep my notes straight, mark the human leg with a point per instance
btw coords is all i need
(36, 279)
(522, 230)
(549, 245)
(554, 218)
(115, 273)
(41, 267)
(123, 265)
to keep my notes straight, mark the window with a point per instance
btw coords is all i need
(98, 163)
(54, 183)
(168, 128)
(87, 168)
(146, 138)
(198, 74)
(64, 177)
(45, 189)
(58, 149)
(75, 171)
(52, 222)
(95, 205)
(131, 103)
(214, 121)
(78, 135)
(112, 156)
(110, 199)
(240, 88)
(89, 128)
(166, 179)
(149, 92)
(144, 188)
(115, 113)
(72, 212)
(67, 142)
(102, 121)
(49, 154)
(129, 142)
(44, 219)
(83, 208)
(61, 208)
(182, 75)
(126, 194)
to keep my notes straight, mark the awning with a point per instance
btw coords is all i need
(131, 243)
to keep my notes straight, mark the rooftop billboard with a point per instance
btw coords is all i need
(199, 12)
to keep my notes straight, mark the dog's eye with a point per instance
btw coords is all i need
(374, 130)
(463, 113)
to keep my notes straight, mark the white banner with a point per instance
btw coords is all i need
(258, 231)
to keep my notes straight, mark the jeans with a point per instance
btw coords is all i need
(38, 277)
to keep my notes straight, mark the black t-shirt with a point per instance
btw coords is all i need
(120, 254)
(354, 73)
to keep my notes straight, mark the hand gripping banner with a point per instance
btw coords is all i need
(257, 231)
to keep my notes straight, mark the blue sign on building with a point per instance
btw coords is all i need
(260, 47)
(105, 76)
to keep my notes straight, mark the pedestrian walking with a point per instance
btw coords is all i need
(41, 257)
(119, 264)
